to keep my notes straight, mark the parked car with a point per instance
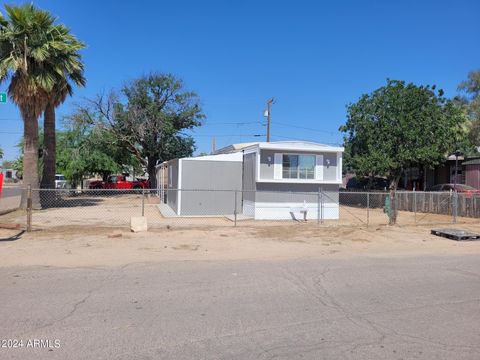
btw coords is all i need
(119, 182)
(460, 188)
(61, 182)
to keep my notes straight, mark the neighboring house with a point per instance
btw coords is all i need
(472, 172)
(275, 180)
(423, 178)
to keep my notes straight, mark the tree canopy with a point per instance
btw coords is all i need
(399, 126)
(470, 102)
(33, 59)
(148, 118)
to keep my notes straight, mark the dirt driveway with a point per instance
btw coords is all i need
(102, 246)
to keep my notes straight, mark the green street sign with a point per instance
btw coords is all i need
(3, 98)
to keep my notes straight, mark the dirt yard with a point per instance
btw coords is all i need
(94, 231)
(86, 246)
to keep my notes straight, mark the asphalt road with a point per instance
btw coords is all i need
(9, 191)
(360, 308)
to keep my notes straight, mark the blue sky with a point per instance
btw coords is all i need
(314, 57)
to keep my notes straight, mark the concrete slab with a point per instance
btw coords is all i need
(138, 223)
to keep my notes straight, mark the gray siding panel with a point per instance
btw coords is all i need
(275, 192)
(330, 170)
(201, 202)
(215, 175)
(198, 175)
(249, 176)
(266, 165)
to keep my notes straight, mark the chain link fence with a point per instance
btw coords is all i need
(48, 209)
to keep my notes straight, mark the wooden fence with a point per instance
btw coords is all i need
(468, 205)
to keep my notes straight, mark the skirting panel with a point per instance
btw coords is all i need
(248, 208)
(286, 211)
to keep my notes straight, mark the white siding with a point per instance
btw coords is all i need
(277, 167)
(339, 166)
(319, 167)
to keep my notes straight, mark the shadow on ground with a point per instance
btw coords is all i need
(65, 202)
(13, 237)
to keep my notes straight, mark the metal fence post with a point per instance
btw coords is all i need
(368, 209)
(29, 208)
(415, 207)
(235, 210)
(455, 206)
(318, 207)
(143, 201)
(321, 204)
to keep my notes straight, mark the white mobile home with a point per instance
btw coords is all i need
(274, 180)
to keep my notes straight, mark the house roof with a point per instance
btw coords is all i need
(236, 156)
(453, 157)
(234, 147)
(282, 145)
(233, 156)
(472, 162)
(233, 152)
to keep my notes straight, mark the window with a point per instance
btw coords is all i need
(298, 166)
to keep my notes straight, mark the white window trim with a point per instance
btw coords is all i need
(179, 187)
(278, 166)
(339, 166)
(297, 181)
(319, 167)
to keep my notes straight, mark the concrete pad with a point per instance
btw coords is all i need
(138, 223)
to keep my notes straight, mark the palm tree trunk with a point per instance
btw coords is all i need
(30, 159)
(49, 148)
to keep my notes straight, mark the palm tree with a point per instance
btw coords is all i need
(69, 59)
(28, 49)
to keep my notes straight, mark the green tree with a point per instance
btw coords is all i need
(399, 126)
(69, 59)
(1, 153)
(7, 164)
(28, 50)
(470, 102)
(84, 149)
(150, 122)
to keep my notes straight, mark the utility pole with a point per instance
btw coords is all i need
(213, 145)
(269, 102)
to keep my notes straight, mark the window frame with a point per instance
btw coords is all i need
(299, 169)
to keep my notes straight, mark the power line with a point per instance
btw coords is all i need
(316, 140)
(234, 123)
(275, 123)
(225, 135)
(305, 128)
